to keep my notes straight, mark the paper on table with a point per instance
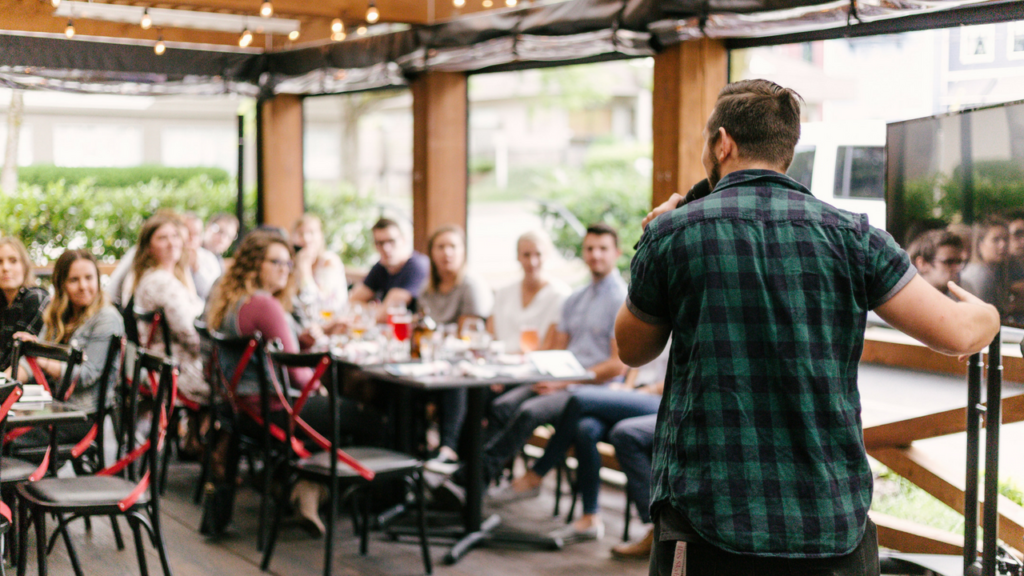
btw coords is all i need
(418, 370)
(557, 363)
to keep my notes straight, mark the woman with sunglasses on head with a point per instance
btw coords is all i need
(79, 315)
(21, 301)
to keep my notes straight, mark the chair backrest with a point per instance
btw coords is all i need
(9, 394)
(70, 355)
(157, 321)
(106, 387)
(163, 404)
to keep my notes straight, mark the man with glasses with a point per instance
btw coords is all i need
(938, 256)
(399, 275)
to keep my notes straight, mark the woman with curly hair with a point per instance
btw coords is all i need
(160, 280)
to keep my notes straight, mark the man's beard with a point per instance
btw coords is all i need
(716, 173)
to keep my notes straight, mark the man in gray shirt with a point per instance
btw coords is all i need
(587, 329)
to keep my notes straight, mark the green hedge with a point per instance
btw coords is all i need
(46, 174)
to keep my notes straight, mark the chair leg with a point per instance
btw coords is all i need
(629, 516)
(364, 534)
(40, 519)
(421, 512)
(160, 544)
(574, 485)
(116, 528)
(72, 554)
(332, 513)
(261, 532)
(22, 537)
(559, 470)
(268, 548)
(139, 550)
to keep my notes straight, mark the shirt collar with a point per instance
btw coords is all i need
(754, 177)
(608, 280)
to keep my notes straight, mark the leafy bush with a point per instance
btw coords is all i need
(46, 174)
(347, 216)
(612, 191)
(106, 221)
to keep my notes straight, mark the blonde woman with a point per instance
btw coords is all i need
(22, 304)
(320, 274)
(160, 280)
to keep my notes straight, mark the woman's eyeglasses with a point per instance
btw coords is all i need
(288, 264)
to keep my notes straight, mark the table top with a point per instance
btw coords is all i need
(450, 381)
(51, 413)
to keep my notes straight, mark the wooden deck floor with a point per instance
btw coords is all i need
(298, 554)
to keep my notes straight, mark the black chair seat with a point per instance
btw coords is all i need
(80, 492)
(16, 469)
(379, 460)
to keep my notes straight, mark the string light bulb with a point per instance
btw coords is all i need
(338, 36)
(337, 26)
(511, 3)
(293, 35)
(146, 21)
(372, 14)
(267, 9)
(361, 31)
(69, 31)
(159, 48)
(488, 3)
(458, 3)
(246, 39)
(55, 3)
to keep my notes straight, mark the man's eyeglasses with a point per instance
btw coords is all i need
(282, 263)
(952, 262)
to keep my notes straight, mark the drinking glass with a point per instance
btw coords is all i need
(529, 339)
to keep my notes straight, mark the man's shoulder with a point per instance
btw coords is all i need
(417, 261)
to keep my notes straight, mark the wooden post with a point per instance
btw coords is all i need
(687, 79)
(439, 163)
(280, 176)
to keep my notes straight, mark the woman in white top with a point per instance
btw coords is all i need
(321, 275)
(535, 302)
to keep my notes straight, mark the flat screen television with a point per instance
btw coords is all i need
(964, 172)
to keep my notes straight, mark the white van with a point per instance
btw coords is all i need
(844, 164)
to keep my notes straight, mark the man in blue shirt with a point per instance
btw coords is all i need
(399, 274)
(587, 330)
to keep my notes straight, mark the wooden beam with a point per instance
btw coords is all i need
(439, 178)
(916, 356)
(936, 478)
(903, 433)
(687, 79)
(913, 538)
(281, 185)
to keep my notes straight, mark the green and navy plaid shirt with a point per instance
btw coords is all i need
(759, 442)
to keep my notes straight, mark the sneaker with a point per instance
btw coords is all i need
(442, 464)
(569, 533)
(635, 550)
(507, 494)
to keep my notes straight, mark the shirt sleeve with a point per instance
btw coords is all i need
(418, 267)
(95, 343)
(887, 268)
(264, 314)
(374, 279)
(647, 298)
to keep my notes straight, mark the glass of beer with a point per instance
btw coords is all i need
(529, 339)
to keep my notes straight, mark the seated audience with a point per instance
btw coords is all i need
(220, 234)
(591, 413)
(452, 296)
(938, 257)
(399, 274)
(586, 329)
(321, 275)
(533, 303)
(204, 265)
(985, 275)
(160, 280)
(23, 301)
(633, 439)
(80, 316)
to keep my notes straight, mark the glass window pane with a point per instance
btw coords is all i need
(802, 168)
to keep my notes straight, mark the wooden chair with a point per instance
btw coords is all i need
(130, 487)
(360, 468)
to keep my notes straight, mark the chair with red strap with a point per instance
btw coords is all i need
(359, 468)
(135, 495)
(235, 359)
(9, 394)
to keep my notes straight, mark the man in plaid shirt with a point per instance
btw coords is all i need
(759, 463)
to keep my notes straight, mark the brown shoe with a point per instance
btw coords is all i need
(635, 550)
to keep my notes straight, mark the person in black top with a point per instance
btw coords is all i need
(23, 302)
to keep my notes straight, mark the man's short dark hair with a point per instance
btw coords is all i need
(602, 229)
(1014, 214)
(385, 223)
(762, 117)
(927, 245)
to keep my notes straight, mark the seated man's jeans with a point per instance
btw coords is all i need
(633, 439)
